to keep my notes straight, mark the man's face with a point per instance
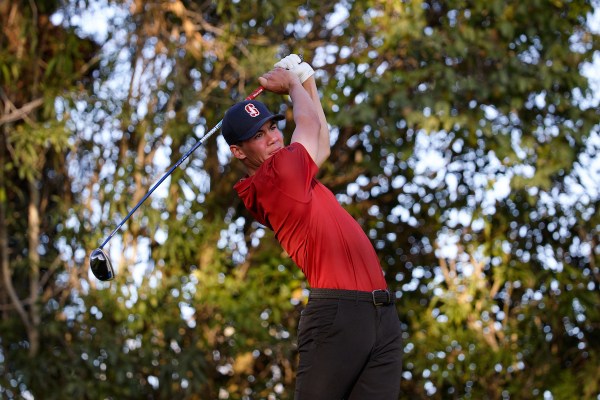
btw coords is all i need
(254, 151)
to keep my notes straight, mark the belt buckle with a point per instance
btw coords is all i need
(389, 297)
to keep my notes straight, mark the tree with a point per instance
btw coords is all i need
(451, 101)
(460, 142)
(40, 65)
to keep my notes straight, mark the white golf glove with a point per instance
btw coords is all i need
(289, 62)
(294, 63)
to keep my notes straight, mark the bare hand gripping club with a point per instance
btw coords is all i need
(99, 262)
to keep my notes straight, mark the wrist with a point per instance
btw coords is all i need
(303, 71)
(294, 63)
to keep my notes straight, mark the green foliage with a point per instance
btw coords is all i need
(461, 137)
(30, 143)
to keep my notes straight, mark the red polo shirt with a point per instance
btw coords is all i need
(313, 228)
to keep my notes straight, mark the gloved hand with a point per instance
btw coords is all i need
(289, 62)
(294, 63)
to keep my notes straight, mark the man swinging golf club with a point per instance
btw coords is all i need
(349, 336)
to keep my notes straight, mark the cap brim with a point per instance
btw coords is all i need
(252, 131)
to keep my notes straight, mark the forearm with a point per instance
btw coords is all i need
(307, 120)
(324, 144)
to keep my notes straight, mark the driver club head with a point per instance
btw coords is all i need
(101, 265)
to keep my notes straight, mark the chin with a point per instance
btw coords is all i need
(275, 151)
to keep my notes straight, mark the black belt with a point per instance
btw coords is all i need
(377, 297)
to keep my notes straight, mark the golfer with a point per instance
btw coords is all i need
(349, 337)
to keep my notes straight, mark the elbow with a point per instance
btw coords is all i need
(322, 156)
(325, 144)
(325, 153)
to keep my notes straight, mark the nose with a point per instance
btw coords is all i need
(273, 136)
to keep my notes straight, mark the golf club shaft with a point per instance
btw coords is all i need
(199, 143)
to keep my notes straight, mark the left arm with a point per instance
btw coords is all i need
(305, 73)
(306, 118)
(324, 147)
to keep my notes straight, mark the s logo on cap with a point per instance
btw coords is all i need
(252, 110)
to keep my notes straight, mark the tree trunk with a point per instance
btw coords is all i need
(9, 291)
(4, 296)
(33, 236)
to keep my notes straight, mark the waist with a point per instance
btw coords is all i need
(376, 297)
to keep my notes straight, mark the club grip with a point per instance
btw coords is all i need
(255, 94)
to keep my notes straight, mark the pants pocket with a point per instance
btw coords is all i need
(316, 322)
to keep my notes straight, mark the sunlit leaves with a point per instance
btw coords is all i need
(460, 143)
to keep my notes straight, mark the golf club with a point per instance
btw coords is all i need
(99, 261)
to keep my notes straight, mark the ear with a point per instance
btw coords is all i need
(237, 152)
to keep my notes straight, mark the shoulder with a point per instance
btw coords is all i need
(293, 160)
(291, 155)
(243, 185)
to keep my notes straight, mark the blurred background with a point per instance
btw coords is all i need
(465, 138)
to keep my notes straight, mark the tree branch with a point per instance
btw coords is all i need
(21, 113)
